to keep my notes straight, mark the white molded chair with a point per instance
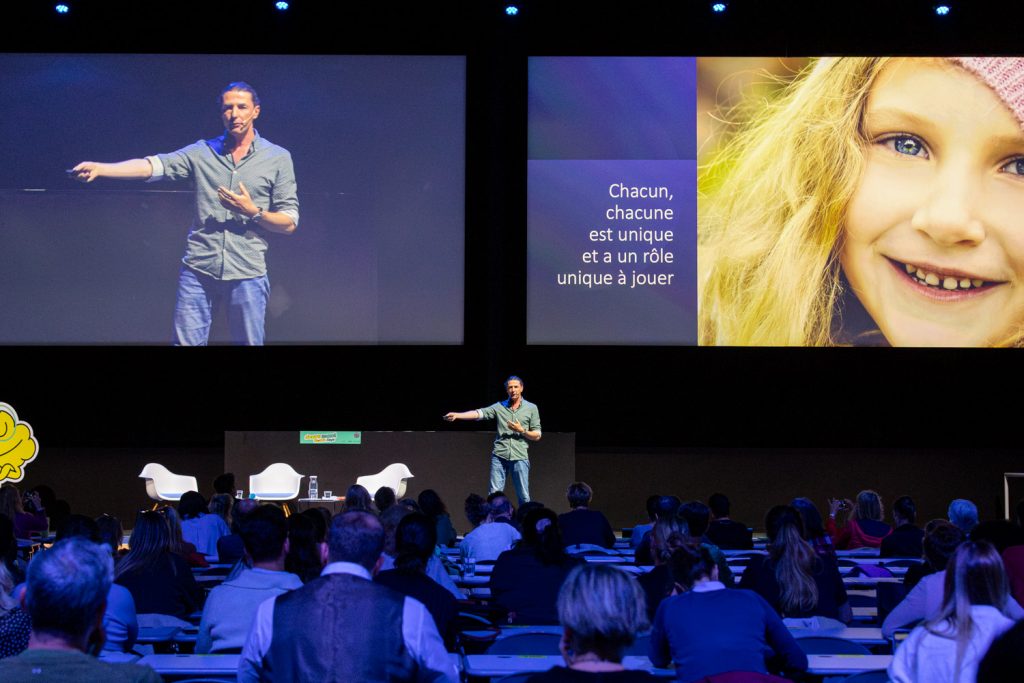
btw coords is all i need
(278, 482)
(393, 476)
(162, 484)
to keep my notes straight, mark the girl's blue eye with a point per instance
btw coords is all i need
(1014, 166)
(907, 144)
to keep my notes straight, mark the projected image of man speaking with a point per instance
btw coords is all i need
(244, 185)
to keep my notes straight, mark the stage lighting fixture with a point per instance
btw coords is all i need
(511, 10)
(281, 5)
(62, 8)
(718, 7)
(942, 10)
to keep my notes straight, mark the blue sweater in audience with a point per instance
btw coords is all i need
(710, 630)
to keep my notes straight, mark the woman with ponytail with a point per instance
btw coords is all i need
(793, 578)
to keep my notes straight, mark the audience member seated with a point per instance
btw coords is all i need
(494, 536)
(652, 516)
(305, 556)
(814, 528)
(198, 526)
(222, 504)
(26, 522)
(230, 548)
(666, 508)
(963, 514)
(949, 645)
(475, 508)
(669, 535)
(357, 498)
(1013, 560)
(582, 526)
(723, 531)
(415, 540)
(697, 516)
(925, 600)
(523, 510)
(160, 581)
(67, 586)
(864, 528)
(707, 630)
(940, 540)
(435, 568)
(225, 483)
(434, 508)
(179, 546)
(384, 498)
(796, 581)
(527, 578)
(1004, 660)
(9, 550)
(231, 607)
(15, 624)
(120, 621)
(111, 534)
(502, 510)
(1001, 533)
(601, 611)
(906, 539)
(343, 626)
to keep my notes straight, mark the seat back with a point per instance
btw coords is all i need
(527, 644)
(279, 481)
(877, 676)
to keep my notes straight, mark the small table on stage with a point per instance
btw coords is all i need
(335, 504)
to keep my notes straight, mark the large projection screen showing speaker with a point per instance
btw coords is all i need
(377, 150)
(840, 201)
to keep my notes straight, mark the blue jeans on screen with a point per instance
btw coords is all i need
(199, 296)
(520, 470)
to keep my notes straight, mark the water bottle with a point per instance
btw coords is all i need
(314, 489)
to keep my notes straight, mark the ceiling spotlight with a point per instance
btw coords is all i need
(718, 7)
(281, 5)
(942, 10)
(62, 8)
(511, 10)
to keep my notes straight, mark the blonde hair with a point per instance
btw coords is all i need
(771, 209)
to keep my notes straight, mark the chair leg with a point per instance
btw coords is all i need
(287, 510)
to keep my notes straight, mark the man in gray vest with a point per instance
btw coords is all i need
(343, 626)
(518, 424)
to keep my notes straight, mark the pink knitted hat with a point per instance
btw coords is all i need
(1005, 75)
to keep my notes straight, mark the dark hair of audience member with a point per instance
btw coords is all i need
(225, 483)
(178, 545)
(303, 557)
(906, 510)
(411, 504)
(46, 495)
(814, 527)
(390, 521)
(794, 560)
(500, 507)
(356, 537)
(9, 547)
(666, 535)
(1001, 533)
(940, 542)
(192, 504)
(868, 506)
(263, 533)
(525, 509)
(689, 564)
(10, 501)
(150, 541)
(221, 504)
(475, 508)
(602, 609)
(579, 494)
(321, 521)
(719, 505)
(542, 535)
(668, 506)
(697, 516)
(415, 540)
(79, 526)
(651, 506)
(240, 510)
(111, 533)
(358, 498)
(431, 504)
(1004, 660)
(384, 498)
